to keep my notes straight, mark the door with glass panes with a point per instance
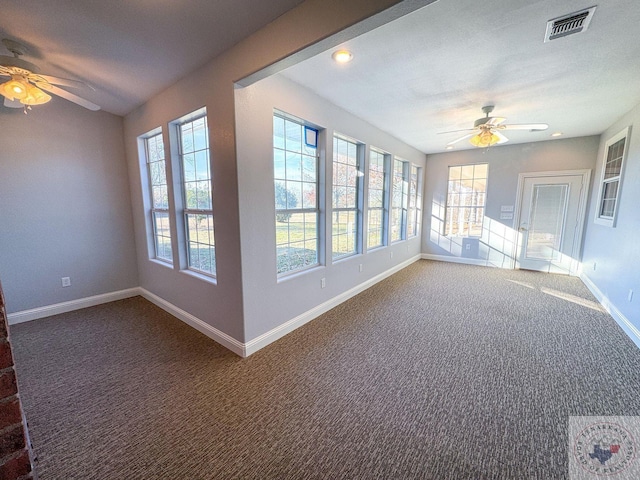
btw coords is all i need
(550, 222)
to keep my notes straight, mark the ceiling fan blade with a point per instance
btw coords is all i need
(502, 138)
(65, 82)
(461, 138)
(12, 103)
(458, 131)
(67, 96)
(495, 121)
(524, 126)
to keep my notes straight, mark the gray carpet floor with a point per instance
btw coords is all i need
(441, 371)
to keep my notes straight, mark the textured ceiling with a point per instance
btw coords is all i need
(130, 50)
(425, 73)
(432, 71)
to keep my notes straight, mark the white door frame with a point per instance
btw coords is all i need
(582, 211)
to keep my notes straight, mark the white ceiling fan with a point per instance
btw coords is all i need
(26, 86)
(486, 130)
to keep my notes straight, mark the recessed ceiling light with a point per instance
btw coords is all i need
(556, 134)
(342, 56)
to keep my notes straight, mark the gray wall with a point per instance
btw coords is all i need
(506, 162)
(221, 304)
(64, 205)
(267, 301)
(616, 250)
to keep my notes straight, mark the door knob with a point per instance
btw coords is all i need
(522, 229)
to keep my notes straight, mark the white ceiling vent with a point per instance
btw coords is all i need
(576, 22)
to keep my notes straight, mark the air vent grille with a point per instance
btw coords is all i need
(576, 22)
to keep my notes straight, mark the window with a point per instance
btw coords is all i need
(295, 168)
(346, 198)
(414, 211)
(611, 178)
(399, 201)
(466, 198)
(196, 194)
(158, 196)
(378, 198)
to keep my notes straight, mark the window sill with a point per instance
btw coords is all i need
(200, 276)
(342, 258)
(604, 222)
(297, 273)
(162, 263)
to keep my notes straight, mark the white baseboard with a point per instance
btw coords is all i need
(280, 331)
(219, 336)
(237, 347)
(630, 329)
(447, 258)
(64, 307)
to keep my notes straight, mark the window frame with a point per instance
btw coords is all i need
(384, 209)
(306, 128)
(357, 207)
(462, 207)
(182, 210)
(600, 219)
(404, 199)
(153, 210)
(414, 213)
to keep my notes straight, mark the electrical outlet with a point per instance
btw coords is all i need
(360, 267)
(594, 266)
(390, 254)
(630, 295)
(66, 281)
(323, 283)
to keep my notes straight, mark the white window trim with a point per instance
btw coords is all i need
(387, 160)
(360, 150)
(606, 221)
(179, 195)
(404, 195)
(153, 210)
(446, 205)
(147, 192)
(417, 210)
(317, 210)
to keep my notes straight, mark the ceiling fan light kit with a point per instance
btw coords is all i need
(35, 96)
(14, 88)
(484, 139)
(486, 131)
(26, 87)
(19, 89)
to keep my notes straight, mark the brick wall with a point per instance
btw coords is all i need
(15, 452)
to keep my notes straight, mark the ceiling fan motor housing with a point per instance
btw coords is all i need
(487, 109)
(19, 64)
(17, 49)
